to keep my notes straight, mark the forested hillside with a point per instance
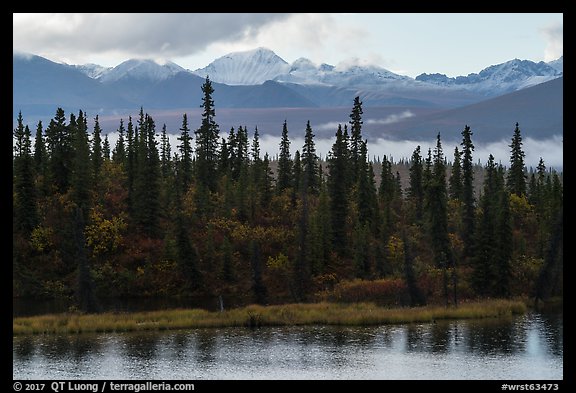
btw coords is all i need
(212, 216)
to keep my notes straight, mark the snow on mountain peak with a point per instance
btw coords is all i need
(252, 67)
(141, 69)
(557, 64)
(504, 77)
(94, 71)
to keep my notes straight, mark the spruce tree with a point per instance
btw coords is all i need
(185, 149)
(97, 156)
(516, 180)
(487, 244)
(39, 150)
(311, 171)
(146, 201)
(25, 214)
(59, 147)
(165, 153)
(131, 143)
(455, 181)
(207, 141)
(438, 216)
(224, 161)
(504, 238)
(82, 171)
(356, 137)
(469, 208)
(119, 152)
(416, 187)
(337, 181)
(284, 178)
(366, 199)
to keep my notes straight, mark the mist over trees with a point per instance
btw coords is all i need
(211, 216)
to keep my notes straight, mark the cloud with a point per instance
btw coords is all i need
(391, 119)
(156, 35)
(554, 35)
(330, 126)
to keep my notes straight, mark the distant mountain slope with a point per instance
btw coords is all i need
(256, 78)
(252, 67)
(506, 77)
(538, 109)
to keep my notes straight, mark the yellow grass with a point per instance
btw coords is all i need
(254, 315)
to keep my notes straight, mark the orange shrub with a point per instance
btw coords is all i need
(387, 291)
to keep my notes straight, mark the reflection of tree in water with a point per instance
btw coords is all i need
(205, 346)
(553, 331)
(545, 334)
(140, 346)
(416, 337)
(495, 336)
(440, 337)
(179, 344)
(23, 348)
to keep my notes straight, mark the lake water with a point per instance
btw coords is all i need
(525, 347)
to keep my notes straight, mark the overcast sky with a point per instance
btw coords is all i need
(408, 44)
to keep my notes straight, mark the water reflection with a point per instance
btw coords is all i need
(527, 347)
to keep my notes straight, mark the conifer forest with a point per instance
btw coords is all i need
(213, 216)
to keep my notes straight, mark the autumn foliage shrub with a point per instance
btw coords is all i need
(387, 291)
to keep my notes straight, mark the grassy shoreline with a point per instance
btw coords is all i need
(255, 316)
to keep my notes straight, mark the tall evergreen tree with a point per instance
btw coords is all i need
(504, 238)
(438, 215)
(82, 171)
(147, 179)
(207, 141)
(106, 148)
(416, 187)
(185, 148)
(337, 186)
(97, 156)
(59, 147)
(486, 251)
(455, 182)
(366, 199)
(119, 152)
(24, 191)
(356, 137)
(267, 182)
(165, 153)
(516, 180)
(469, 208)
(311, 171)
(240, 158)
(39, 150)
(131, 147)
(284, 178)
(224, 161)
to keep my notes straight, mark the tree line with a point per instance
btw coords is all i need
(212, 216)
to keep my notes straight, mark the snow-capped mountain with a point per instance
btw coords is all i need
(143, 69)
(303, 71)
(93, 71)
(500, 78)
(252, 67)
(557, 64)
(257, 66)
(259, 79)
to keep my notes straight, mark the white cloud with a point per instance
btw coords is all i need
(554, 34)
(330, 126)
(391, 119)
